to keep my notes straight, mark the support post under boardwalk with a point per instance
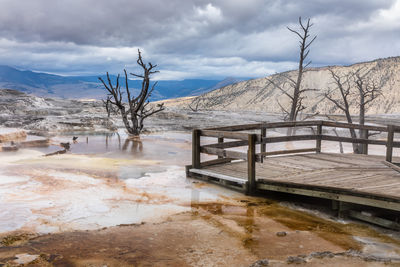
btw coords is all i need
(364, 147)
(263, 147)
(196, 149)
(251, 164)
(319, 139)
(220, 141)
(389, 143)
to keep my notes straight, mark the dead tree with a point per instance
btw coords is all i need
(368, 91)
(296, 96)
(137, 109)
(194, 105)
(109, 107)
(358, 86)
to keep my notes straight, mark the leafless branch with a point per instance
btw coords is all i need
(137, 110)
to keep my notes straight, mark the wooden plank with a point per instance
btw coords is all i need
(305, 163)
(237, 170)
(352, 191)
(375, 220)
(380, 186)
(326, 162)
(319, 139)
(209, 179)
(220, 141)
(300, 177)
(223, 153)
(263, 147)
(251, 164)
(320, 177)
(215, 162)
(338, 158)
(361, 160)
(395, 192)
(292, 165)
(270, 125)
(391, 165)
(242, 127)
(352, 183)
(386, 204)
(389, 143)
(224, 134)
(287, 124)
(196, 149)
(283, 152)
(353, 126)
(228, 144)
(219, 176)
(279, 139)
(353, 140)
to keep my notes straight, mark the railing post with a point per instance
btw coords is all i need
(196, 149)
(251, 164)
(220, 141)
(364, 147)
(319, 138)
(389, 143)
(263, 146)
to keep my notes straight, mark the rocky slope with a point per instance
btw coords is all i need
(42, 115)
(48, 116)
(262, 95)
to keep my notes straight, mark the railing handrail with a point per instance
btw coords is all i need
(289, 124)
(251, 140)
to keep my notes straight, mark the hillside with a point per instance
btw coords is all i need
(78, 87)
(261, 95)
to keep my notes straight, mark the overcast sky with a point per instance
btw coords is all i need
(192, 38)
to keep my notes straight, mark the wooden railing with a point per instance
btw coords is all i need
(250, 140)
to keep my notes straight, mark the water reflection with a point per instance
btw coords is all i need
(221, 214)
(108, 136)
(136, 145)
(173, 148)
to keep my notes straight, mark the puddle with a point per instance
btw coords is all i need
(172, 149)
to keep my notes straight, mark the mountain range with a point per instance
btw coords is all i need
(89, 87)
(263, 94)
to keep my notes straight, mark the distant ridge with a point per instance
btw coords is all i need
(261, 95)
(78, 87)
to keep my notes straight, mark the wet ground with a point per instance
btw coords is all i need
(111, 201)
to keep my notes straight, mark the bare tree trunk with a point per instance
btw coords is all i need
(296, 98)
(304, 51)
(340, 143)
(367, 92)
(296, 94)
(137, 106)
(353, 133)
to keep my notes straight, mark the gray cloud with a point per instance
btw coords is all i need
(193, 38)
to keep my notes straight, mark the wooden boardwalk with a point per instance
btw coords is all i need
(346, 179)
(359, 179)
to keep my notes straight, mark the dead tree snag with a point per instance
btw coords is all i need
(137, 109)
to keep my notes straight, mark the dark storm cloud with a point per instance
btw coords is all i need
(185, 35)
